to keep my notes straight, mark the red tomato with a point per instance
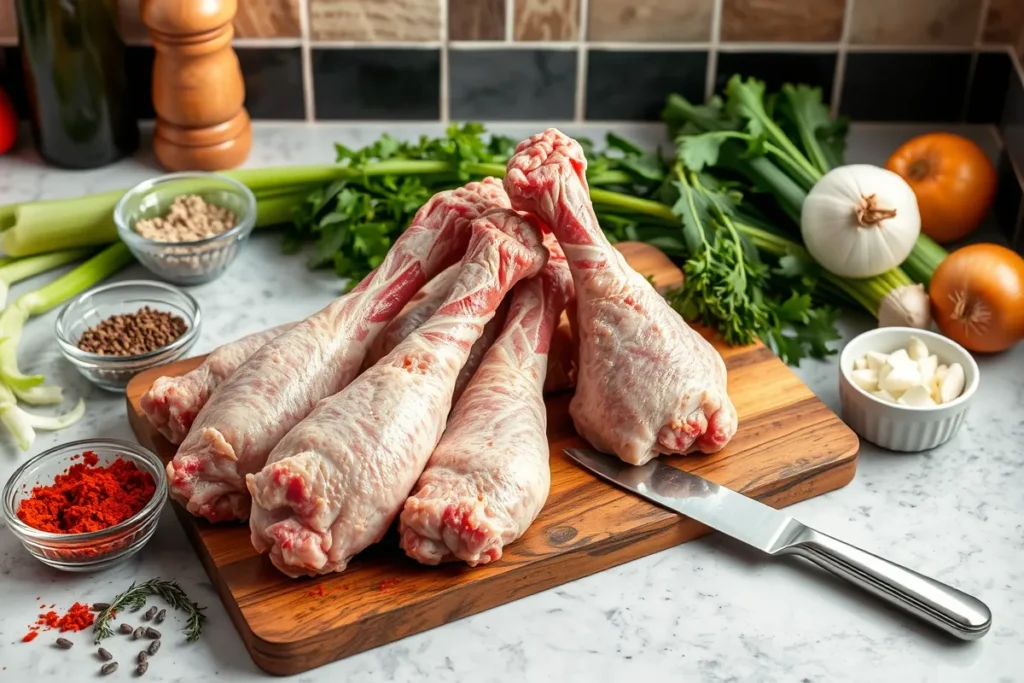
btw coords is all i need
(8, 123)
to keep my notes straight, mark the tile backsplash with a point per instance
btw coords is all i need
(599, 60)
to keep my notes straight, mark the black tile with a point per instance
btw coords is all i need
(776, 68)
(1009, 204)
(1011, 124)
(512, 85)
(905, 86)
(385, 83)
(273, 82)
(632, 86)
(12, 80)
(140, 79)
(988, 87)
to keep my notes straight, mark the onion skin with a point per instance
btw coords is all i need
(977, 297)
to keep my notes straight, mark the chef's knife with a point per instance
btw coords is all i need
(777, 533)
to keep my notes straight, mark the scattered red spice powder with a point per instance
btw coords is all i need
(387, 583)
(30, 636)
(88, 497)
(78, 618)
(319, 591)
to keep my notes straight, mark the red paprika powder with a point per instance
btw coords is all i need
(78, 618)
(88, 497)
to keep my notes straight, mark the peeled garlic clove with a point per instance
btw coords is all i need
(900, 357)
(941, 371)
(927, 366)
(935, 389)
(865, 379)
(901, 378)
(916, 349)
(916, 395)
(876, 360)
(953, 383)
(860, 364)
(884, 395)
(883, 372)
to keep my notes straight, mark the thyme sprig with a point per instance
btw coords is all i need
(134, 599)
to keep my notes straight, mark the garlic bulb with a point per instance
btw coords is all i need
(860, 221)
(906, 306)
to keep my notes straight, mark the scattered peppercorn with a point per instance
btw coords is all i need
(153, 648)
(104, 655)
(142, 657)
(160, 616)
(142, 668)
(131, 334)
(188, 219)
(125, 628)
(108, 668)
(150, 613)
(152, 633)
(64, 643)
(100, 606)
(138, 633)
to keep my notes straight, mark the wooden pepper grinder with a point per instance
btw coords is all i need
(198, 90)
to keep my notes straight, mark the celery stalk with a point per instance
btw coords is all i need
(12, 320)
(23, 424)
(34, 265)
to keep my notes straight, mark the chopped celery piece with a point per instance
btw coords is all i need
(22, 424)
(21, 269)
(12, 320)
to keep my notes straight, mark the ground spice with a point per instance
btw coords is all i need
(190, 218)
(131, 334)
(78, 618)
(30, 636)
(88, 497)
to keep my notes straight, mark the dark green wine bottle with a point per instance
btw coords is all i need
(76, 80)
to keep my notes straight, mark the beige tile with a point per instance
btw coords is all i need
(267, 19)
(915, 22)
(650, 20)
(476, 19)
(132, 28)
(547, 19)
(806, 21)
(8, 27)
(375, 20)
(1005, 22)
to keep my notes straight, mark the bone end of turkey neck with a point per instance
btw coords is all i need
(489, 477)
(337, 480)
(254, 408)
(647, 383)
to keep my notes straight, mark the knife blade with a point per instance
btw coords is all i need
(776, 533)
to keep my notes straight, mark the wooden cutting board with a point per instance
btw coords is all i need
(790, 447)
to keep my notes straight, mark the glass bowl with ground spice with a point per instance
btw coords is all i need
(187, 227)
(86, 505)
(113, 332)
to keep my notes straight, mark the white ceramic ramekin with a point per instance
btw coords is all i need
(898, 427)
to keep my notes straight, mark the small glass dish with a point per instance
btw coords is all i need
(114, 372)
(186, 263)
(97, 549)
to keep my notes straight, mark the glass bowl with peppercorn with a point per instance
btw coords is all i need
(113, 332)
(86, 505)
(187, 227)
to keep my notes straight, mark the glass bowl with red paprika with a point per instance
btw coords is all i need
(86, 505)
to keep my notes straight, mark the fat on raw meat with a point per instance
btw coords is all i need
(283, 381)
(335, 483)
(647, 383)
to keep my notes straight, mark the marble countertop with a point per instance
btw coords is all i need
(710, 610)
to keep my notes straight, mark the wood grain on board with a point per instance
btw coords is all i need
(790, 447)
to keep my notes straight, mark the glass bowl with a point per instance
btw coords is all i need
(186, 263)
(114, 372)
(97, 549)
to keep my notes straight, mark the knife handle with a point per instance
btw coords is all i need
(951, 610)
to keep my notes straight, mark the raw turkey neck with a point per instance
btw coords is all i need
(647, 383)
(334, 484)
(489, 477)
(280, 384)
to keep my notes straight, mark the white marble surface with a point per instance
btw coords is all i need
(710, 610)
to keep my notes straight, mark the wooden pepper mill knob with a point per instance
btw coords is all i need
(198, 90)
